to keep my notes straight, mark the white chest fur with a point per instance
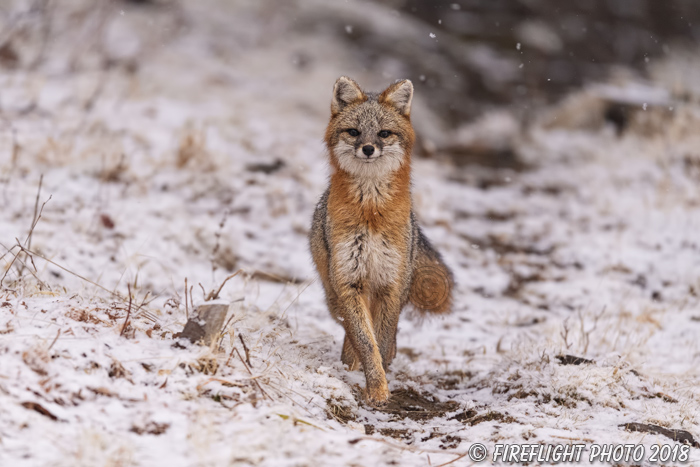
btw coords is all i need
(365, 255)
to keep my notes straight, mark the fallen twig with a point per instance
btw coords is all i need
(223, 381)
(679, 436)
(39, 408)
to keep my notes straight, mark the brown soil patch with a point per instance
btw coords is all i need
(407, 403)
(471, 417)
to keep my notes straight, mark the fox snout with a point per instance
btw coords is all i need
(367, 152)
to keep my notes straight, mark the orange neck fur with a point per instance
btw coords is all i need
(378, 204)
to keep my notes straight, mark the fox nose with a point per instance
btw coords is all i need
(368, 150)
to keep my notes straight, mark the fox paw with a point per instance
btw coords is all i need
(378, 396)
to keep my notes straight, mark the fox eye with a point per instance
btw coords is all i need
(353, 132)
(384, 133)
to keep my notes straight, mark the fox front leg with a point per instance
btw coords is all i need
(386, 308)
(348, 355)
(359, 333)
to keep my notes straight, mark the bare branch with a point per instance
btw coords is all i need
(214, 295)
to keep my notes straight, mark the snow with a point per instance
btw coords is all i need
(160, 175)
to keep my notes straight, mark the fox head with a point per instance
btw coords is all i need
(370, 134)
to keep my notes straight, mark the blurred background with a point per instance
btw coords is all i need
(464, 56)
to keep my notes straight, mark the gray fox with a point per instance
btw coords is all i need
(369, 250)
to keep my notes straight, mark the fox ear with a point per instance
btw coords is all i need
(345, 92)
(400, 95)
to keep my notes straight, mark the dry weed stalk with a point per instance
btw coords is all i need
(252, 377)
(193, 148)
(140, 311)
(565, 334)
(42, 284)
(217, 243)
(35, 219)
(128, 313)
(28, 241)
(586, 335)
(187, 310)
(58, 334)
(245, 349)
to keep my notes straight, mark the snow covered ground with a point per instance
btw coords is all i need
(185, 144)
